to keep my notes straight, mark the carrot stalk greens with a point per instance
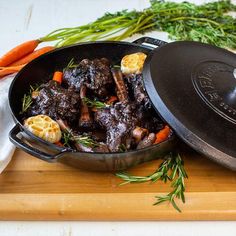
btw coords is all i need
(207, 23)
(171, 169)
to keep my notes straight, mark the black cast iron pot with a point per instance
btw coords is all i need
(40, 70)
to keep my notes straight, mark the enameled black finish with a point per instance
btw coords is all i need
(193, 86)
(40, 70)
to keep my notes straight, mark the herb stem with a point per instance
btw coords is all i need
(171, 169)
(207, 23)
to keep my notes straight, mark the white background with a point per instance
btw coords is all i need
(22, 20)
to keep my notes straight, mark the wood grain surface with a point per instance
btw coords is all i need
(31, 189)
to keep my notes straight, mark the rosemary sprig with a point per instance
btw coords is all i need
(172, 169)
(26, 103)
(178, 184)
(122, 148)
(84, 140)
(27, 98)
(94, 103)
(71, 65)
(67, 137)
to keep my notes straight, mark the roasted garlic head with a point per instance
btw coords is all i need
(44, 127)
(133, 63)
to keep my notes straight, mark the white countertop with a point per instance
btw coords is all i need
(28, 19)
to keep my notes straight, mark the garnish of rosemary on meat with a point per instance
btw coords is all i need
(98, 106)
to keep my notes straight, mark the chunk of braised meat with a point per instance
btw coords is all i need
(56, 102)
(119, 121)
(146, 114)
(136, 90)
(94, 74)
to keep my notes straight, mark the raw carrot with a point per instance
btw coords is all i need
(29, 57)
(111, 100)
(18, 52)
(9, 70)
(162, 135)
(57, 76)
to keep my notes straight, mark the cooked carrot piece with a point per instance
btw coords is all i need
(59, 144)
(31, 56)
(162, 135)
(9, 70)
(57, 76)
(111, 100)
(18, 52)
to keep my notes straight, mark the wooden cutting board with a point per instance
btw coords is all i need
(31, 189)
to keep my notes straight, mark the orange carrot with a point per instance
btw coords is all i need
(57, 76)
(18, 52)
(111, 100)
(31, 56)
(94, 109)
(162, 135)
(9, 70)
(59, 144)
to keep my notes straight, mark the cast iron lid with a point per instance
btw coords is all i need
(193, 87)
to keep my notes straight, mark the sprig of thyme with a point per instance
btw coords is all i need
(172, 169)
(94, 103)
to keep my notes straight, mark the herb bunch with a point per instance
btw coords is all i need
(207, 23)
(171, 169)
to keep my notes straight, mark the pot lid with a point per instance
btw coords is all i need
(193, 87)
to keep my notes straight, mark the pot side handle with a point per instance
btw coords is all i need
(18, 142)
(151, 41)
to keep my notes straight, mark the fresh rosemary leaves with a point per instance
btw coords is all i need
(26, 103)
(71, 65)
(94, 103)
(68, 138)
(172, 169)
(122, 148)
(27, 98)
(86, 141)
